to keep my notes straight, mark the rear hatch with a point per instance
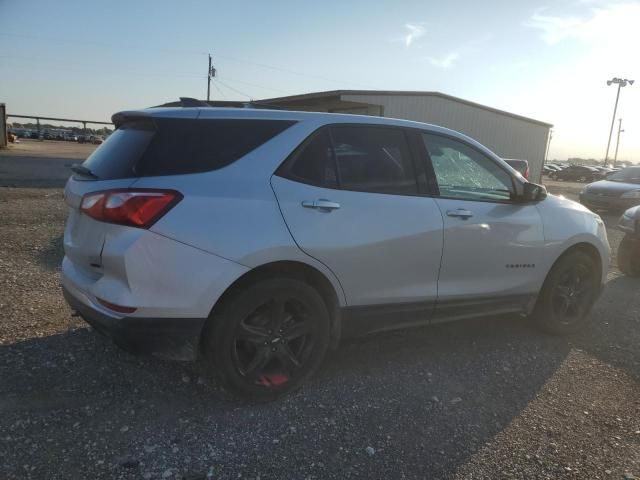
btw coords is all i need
(110, 166)
(152, 146)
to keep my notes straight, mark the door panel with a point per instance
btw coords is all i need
(494, 252)
(492, 245)
(383, 248)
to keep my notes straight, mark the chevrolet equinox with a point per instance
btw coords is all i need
(256, 239)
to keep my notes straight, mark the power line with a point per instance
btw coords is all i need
(249, 84)
(57, 65)
(103, 44)
(215, 84)
(289, 71)
(235, 90)
(190, 52)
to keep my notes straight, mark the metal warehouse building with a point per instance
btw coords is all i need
(507, 134)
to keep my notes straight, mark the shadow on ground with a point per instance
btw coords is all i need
(424, 399)
(614, 332)
(50, 257)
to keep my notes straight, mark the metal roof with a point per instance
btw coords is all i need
(339, 93)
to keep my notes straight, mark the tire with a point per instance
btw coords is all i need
(267, 339)
(562, 306)
(629, 256)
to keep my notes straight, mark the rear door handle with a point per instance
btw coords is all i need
(321, 204)
(460, 212)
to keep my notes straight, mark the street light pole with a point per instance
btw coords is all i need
(209, 79)
(621, 82)
(620, 130)
(546, 153)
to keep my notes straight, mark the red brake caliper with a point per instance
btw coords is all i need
(272, 379)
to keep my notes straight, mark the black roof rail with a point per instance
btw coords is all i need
(194, 102)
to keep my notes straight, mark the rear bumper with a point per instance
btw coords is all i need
(174, 338)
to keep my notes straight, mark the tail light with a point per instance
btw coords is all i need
(133, 207)
(526, 173)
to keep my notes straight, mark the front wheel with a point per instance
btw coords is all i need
(568, 294)
(268, 338)
(629, 256)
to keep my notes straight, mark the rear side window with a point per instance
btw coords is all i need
(313, 163)
(179, 146)
(373, 159)
(360, 158)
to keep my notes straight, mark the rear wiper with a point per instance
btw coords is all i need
(84, 171)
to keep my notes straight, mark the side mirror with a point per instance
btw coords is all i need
(533, 192)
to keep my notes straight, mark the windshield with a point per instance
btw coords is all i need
(628, 175)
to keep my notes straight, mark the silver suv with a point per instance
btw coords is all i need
(257, 239)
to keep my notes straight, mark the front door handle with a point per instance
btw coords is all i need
(460, 212)
(321, 204)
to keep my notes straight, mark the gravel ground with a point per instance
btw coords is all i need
(487, 398)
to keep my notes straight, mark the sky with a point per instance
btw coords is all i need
(547, 60)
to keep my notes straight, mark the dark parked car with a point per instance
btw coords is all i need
(549, 169)
(618, 191)
(629, 249)
(521, 166)
(577, 173)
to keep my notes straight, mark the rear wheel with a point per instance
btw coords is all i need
(569, 291)
(629, 256)
(269, 338)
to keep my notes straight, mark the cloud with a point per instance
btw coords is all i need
(592, 44)
(445, 62)
(554, 29)
(414, 31)
(610, 25)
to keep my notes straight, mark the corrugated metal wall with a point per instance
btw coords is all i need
(507, 136)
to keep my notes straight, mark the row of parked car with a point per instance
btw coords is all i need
(577, 173)
(57, 135)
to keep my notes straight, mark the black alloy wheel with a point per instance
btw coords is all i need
(273, 341)
(267, 338)
(571, 297)
(568, 294)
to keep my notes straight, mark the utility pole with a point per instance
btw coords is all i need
(620, 130)
(621, 82)
(210, 74)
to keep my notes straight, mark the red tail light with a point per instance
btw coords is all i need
(134, 207)
(526, 173)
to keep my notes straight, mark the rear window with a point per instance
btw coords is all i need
(178, 146)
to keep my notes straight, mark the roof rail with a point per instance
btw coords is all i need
(194, 102)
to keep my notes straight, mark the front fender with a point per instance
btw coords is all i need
(568, 224)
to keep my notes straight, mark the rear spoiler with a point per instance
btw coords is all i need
(121, 117)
